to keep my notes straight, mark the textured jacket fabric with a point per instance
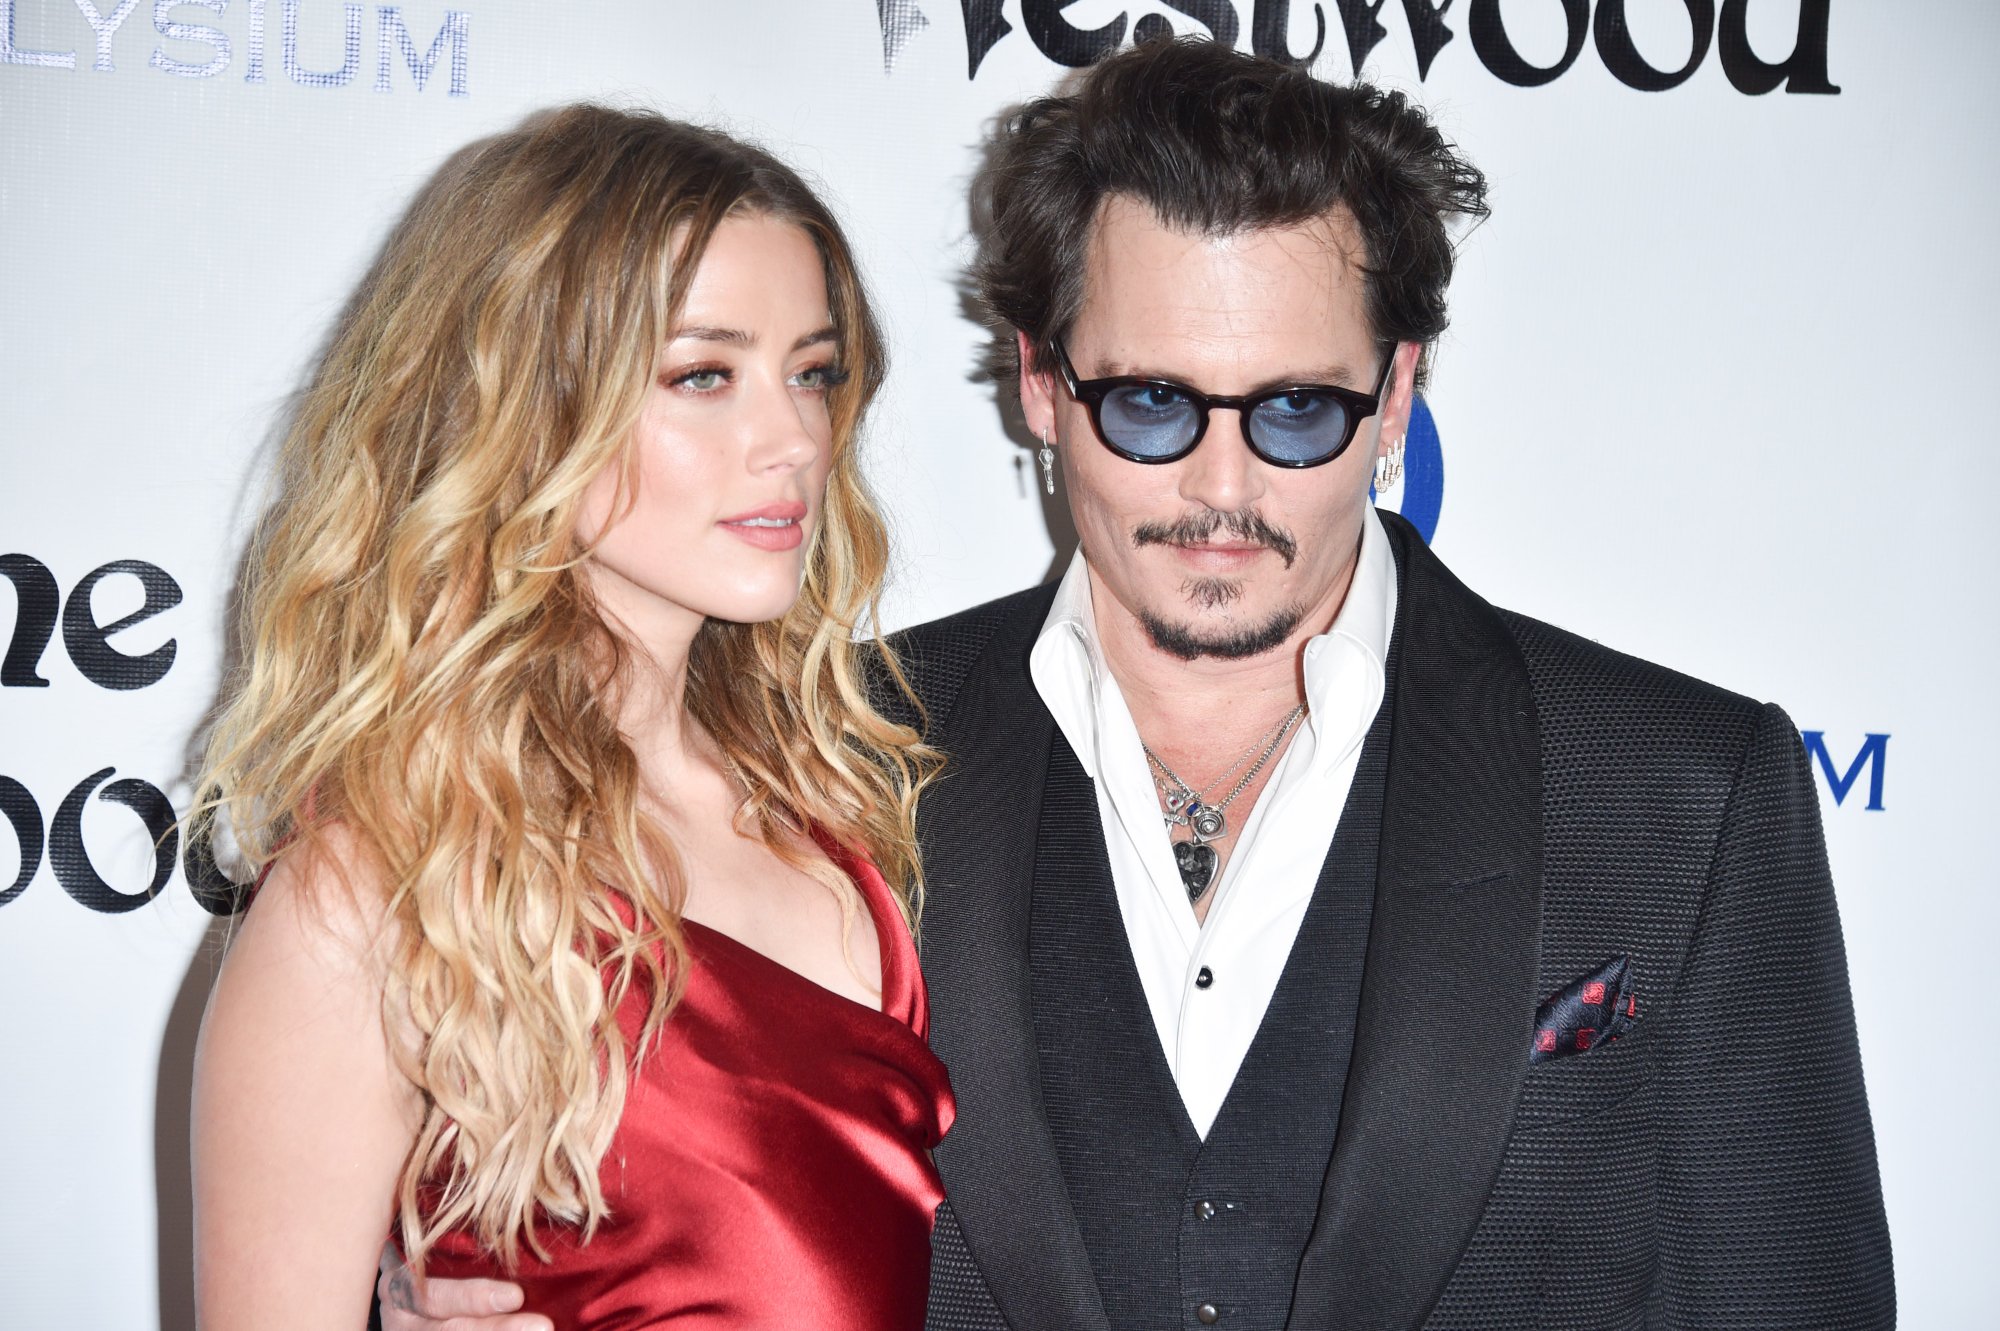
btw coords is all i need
(1550, 806)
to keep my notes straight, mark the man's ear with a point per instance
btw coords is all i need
(1038, 401)
(1400, 393)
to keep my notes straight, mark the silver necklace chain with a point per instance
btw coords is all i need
(1169, 784)
(1187, 808)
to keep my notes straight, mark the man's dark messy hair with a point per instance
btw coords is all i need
(1216, 142)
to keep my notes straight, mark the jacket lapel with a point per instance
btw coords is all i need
(1448, 995)
(978, 825)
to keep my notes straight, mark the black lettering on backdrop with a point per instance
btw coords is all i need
(39, 604)
(36, 596)
(1270, 25)
(984, 25)
(1804, 70)
(1218, 16)
(211, 888)
(1622, 58)
(1496, 49)
(71, 861)
(26, 817)
(1364, 31)
(89, 642)
(1066, 45)
(1428, 34)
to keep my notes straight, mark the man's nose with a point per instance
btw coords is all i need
(1222, 473)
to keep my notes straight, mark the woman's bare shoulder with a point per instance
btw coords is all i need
(324, 899)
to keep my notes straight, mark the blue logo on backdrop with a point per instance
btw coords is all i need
(1873, 758)
(202, 51)
(1423, 472)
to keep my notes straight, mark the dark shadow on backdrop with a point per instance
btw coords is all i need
(173, 1184)
(995, 358)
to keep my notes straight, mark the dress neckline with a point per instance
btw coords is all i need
(889, 947)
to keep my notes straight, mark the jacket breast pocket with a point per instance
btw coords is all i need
(1563, 1090)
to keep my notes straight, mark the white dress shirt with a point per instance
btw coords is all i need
(1268, 879)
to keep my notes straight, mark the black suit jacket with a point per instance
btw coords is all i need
(1550, 805)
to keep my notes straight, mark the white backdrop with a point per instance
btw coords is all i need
(1709, 396)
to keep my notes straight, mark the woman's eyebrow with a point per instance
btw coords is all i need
(741, 338)
(703, 333)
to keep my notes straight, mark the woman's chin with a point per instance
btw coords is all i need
(759, 606)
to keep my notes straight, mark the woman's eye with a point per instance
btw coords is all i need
(701, 380)
(819, 378)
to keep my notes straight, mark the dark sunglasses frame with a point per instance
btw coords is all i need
(1092, 392)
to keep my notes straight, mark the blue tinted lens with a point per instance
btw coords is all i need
(1299, 427)
(1149, 420)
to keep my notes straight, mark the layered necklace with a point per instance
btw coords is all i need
(1181, 805)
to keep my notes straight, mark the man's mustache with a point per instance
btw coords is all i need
(1196, 528)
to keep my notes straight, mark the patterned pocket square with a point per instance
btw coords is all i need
(1593, 1010)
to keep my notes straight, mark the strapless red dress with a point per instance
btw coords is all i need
(772, 1168)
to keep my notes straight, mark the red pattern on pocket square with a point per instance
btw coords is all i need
(1591, 1010)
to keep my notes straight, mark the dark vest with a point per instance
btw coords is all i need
(1175, 1225)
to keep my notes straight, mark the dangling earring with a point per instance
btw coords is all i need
(1389, 467)
(1047, 457)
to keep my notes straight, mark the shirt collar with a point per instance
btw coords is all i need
(1067, 663)
(1069, 671)
(1366, 620)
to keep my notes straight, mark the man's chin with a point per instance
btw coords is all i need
(1223, 642)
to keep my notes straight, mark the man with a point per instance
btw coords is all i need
(1311, 943)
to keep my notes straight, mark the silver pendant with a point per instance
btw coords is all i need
(1207, 822)
(1197, 865)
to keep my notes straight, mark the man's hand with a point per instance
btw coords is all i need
(449, 1305)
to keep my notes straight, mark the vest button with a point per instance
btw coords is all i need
(1207, 1314)
(1205, 1210)
(1202, 979)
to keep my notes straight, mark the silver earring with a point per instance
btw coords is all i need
(1389, 467)
(1047, 457)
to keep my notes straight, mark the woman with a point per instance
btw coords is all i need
(581, 953)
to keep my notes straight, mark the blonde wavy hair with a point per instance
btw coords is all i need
(428, 679)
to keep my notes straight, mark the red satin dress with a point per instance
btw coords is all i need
(772, 1168)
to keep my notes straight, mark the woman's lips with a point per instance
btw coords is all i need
(772, 527)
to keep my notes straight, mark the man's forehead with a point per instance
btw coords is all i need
(1123, 220)
(1271, 301)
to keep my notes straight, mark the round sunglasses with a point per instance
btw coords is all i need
(1158, 420)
